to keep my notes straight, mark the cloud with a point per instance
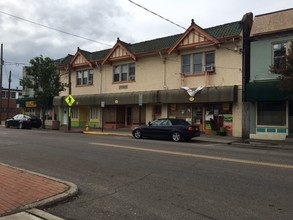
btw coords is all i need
(104, 21)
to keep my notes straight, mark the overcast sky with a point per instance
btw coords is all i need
(103, 21)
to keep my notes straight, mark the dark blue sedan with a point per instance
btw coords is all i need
(167, 128)
(23, 121)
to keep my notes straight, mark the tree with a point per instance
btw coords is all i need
(43, 78)
(285, 70)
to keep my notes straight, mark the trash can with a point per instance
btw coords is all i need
(55, 125)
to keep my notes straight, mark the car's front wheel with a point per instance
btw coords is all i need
(20, 126)
(137, 134)
(176, 136)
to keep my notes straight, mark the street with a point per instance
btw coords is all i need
(125, 178)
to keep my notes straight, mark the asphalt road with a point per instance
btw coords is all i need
(125, 178)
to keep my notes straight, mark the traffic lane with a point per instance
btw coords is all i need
(212, 149)
(262, 190)
(171, 187)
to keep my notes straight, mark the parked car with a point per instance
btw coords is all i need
(23, 121)
(167, 128)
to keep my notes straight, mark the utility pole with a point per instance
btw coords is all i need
(8, 101)
(69, 91)
(1, 71)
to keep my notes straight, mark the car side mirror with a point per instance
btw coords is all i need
(149, 123)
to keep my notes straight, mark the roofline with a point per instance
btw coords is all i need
(274, 12)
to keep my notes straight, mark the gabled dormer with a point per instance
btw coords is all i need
(81, 58)
(120, 51)
(194, 36)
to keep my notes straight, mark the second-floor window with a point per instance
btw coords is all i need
(280, 50)
(124, 73)
(198, 62)
(84, 77)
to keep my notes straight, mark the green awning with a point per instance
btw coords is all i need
(266, 91)
(22, 101)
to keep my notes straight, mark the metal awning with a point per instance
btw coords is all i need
(125, 98)
(206, 95)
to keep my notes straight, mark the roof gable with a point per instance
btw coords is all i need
(120, 51)
(81, 58)
(194, 36)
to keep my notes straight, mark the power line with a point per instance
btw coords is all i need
(157, 15)
(55, 29)
(16, 63)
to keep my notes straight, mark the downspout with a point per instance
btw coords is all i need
(164, 70)
(101, 76)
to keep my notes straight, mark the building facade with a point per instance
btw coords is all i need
(9, 106)
(197, 75)
(271, 108)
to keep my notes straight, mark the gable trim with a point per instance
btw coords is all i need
(119, 43)
(208, 39)
(78, 53)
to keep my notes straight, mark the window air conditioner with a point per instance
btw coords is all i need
(210, 68)
(131, 78)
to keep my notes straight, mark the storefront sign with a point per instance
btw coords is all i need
(30, 104)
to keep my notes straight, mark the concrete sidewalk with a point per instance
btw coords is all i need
(22, 191)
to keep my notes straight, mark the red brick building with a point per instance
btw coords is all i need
(9, 107)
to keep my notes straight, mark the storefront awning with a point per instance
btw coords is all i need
(266, 91)
(126, 98)
(206, 95)
(58, 101)
(22, 101)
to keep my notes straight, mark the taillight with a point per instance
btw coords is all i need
(190, 129)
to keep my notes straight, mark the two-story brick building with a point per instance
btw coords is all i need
(271, 108)
(9, 106)
(196, 75)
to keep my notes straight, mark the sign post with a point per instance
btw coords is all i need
(102, 119)
(140, 105)
(69, 100)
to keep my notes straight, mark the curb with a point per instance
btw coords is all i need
(106, 133)
(72, 191)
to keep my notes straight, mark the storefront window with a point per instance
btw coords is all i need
(182, 111)
(271, 113)
(218, 115)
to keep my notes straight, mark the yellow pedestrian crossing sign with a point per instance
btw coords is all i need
(69, 100)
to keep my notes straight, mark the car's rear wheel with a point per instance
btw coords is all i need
(137, 134)
(176, 136)
(20, 126)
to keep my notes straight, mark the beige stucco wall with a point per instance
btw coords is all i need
(153, 73)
